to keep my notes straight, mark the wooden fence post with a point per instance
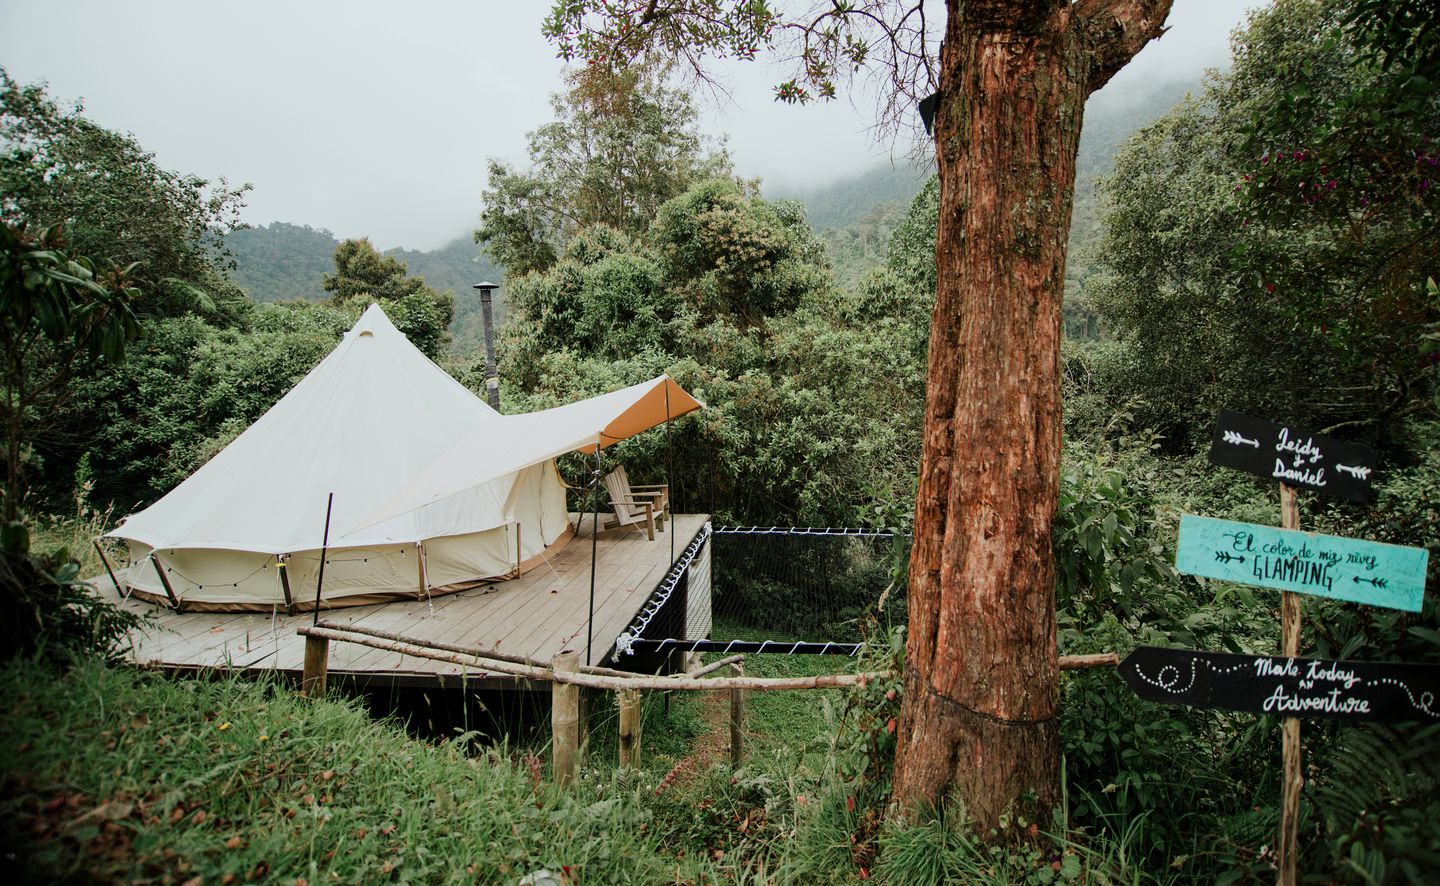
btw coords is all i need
(737, 717)
(629, 728)
(565, 719)
(317, 666)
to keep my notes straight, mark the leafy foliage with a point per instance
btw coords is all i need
(189, 389)
(622, 143)
(116, 204)
(1379, 803)
(1275, 236)
(812, 395)
(57, 318)
(47, 611)
(363, 275)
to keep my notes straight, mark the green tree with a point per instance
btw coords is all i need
(116, 204)
(622, 143)
(57, 317)
(812, 394)
(978, 720)
(362, 274)
(1278, 268)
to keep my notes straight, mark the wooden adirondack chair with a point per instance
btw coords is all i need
(636, 505)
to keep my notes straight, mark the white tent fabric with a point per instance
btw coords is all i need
(360, 425)
(519, 442)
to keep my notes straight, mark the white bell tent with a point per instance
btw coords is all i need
(433, 490)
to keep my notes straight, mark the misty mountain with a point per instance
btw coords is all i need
(1111, 117)
(282, 261)
(856, 216)
(843, 202)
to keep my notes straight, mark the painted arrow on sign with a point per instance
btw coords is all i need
(1304, 562)
(1377, 692)
(1293, 455)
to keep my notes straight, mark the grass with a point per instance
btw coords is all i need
(75, 535)
(110, 774)
(114, 775)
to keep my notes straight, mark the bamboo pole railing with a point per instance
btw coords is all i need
(569, 676)
(476, 651)
(595, 681)
(617, 680)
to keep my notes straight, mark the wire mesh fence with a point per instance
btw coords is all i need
(800, 590)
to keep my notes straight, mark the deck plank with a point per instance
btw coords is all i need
(537, 614)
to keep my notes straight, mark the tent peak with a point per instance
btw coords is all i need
(372, 321)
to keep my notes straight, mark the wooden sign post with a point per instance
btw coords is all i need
(1297, 458)
(1288, 849)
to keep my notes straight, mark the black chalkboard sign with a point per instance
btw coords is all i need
(1293, 455)
(1379, 692)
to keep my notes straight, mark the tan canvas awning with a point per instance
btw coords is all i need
(518, 441)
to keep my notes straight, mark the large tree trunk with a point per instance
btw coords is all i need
(978, 721)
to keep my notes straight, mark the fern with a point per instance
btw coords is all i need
(1380, 801)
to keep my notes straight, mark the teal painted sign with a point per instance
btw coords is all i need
(1304, 562)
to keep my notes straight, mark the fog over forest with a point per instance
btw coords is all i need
(357, 119)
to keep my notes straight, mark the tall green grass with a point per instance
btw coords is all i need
(115, 775)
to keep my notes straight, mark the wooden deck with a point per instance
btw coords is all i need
(537, 614)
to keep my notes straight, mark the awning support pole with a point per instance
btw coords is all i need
(594, 549)
(669, 471)
(324, 552)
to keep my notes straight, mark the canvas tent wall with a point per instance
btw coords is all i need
(361, 425)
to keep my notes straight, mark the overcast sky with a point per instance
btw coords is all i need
(375, 119)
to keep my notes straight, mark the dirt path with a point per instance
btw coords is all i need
(711, 746)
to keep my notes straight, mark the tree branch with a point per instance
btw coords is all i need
(1116, 30)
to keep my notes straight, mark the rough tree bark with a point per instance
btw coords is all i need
(977, 724)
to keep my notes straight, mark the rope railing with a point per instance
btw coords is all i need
(852, 532)
(661, 596)
(777, 647)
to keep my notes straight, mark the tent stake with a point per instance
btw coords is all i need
(284, 567)
(324, 551)
(106, 560)
(169, 591)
